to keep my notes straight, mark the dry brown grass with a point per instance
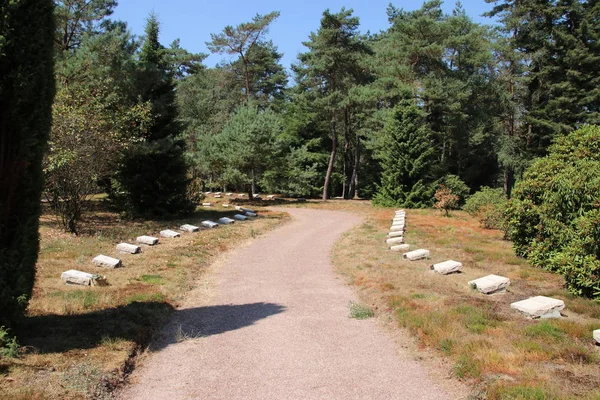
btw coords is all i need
(503, 354)
(79, 340)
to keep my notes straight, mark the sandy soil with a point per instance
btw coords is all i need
(274, 325)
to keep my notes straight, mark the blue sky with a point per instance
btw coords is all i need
(193, 21)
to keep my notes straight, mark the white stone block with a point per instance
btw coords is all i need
(396, 228)
(226, 221)
(129, 248)
(241, 194)
(169, 233)
(106, 262)
(396, 234)
(226, 205)
(399, 219)
(396, 240)
(271, 196)
(218, 193)
(149, 240)
(207, 192)
(256, 196)
(218, 196)
(74, 277)
(229, 194)
(399, 215)
(416, 255)
(240, 217)
(239, 208)
(250, 214)
(400, 247)
(490, 284)
(398, 224)
(209, 224)
(400, 210)
(447, 267)
(206, 204)
(596, 335)
(539, 307)
(189, 228)
(247, 210)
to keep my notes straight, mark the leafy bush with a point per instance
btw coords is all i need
(9, 347)
(488, 207)
(553, 218)
(457, 186)
(445, 199)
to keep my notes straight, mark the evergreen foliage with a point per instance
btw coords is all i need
(152, 178)
(553, 218)
(407, 159)
(26, 94)
(487, 205)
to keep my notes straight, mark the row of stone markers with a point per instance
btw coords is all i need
(534, 307)
(74, 277)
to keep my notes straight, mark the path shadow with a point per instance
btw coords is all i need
(138, 322)
(207, 321)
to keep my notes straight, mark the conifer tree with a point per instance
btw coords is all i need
(406, 156)
(152, 179)
(26, 94)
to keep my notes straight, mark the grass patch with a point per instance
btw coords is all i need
(360, 311)
(485, 341)
(153, 279)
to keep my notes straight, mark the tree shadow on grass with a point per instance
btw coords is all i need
(138, 322)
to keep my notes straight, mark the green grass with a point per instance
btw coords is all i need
(360, 311)
(153, 279)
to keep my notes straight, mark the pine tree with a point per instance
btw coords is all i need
(407, 159)
(26, 94)
(152, 179)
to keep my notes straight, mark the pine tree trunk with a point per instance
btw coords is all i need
(353, 192)
(334, 145)
(509, 181)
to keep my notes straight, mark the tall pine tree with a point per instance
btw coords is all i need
(152, 179)
(407, 156)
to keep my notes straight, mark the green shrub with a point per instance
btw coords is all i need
(488, 207)
(9, 347)
(457, 186)
(554, 218)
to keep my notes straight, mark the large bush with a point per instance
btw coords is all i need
(487, 205)
(554, 217)
(26, 93)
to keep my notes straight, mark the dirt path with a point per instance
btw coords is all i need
(277, 327)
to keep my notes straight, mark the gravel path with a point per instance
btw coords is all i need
(277, 327)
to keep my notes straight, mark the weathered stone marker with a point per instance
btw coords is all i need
(395, 234)
(396, 240)
(219, 193)
(398, 224)
(226, 221)
(596, 335)
(189, 228)
(169, 233)
(149, 240)
(74, 277)
(539, 307)
(271, 196)
(400, 247)
(209, 224)
(399, 219)
(447, 267)
(229, 194)
(218, 196)
(396, 228)
(301, 200)
(490, 284)
(250, 214)
(240, 217)
(206, 204)
(416, 255)
(107, 262)
(226, 205)
(244, 209)
(129, 248)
